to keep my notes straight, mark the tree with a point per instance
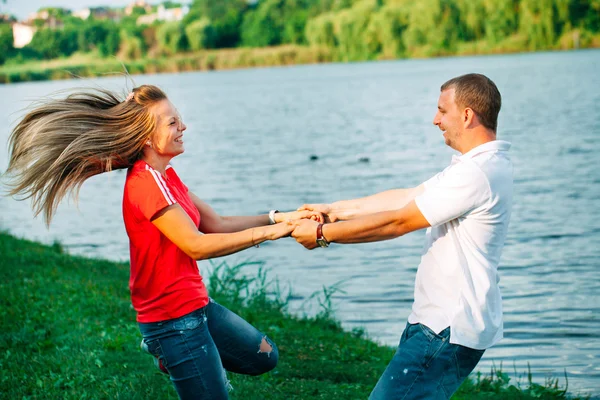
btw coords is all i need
(53, 43)
(224, 15)
(536, 23)
(502, 19)
(171, 38)
(275, 22)
(6, 42)
(101, 35)
(201, 34)
(386, 29)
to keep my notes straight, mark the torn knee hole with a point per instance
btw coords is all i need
(265, 346)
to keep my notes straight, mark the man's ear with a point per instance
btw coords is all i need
(469, 117)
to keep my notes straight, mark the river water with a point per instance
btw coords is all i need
(251, 134)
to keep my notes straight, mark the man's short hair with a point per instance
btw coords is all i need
(479, 93)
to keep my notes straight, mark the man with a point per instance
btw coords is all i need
(457, 310)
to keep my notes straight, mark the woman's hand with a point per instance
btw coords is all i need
(323, 209)
(315, 215)
(279, 230)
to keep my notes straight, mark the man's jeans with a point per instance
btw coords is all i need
(425, 366)
(196, 347)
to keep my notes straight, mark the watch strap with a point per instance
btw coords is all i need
(272, 216)
(321, 241)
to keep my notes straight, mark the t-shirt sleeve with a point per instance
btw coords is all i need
(453, 192)
(149, 193)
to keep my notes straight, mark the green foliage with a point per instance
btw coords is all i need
(349, 30)
(201, 35)
(171, 38)
(53, 43)
(224, 15)
(101, 35)
(276, 22)
(501, 21)
(6, 42)
(131, 47)
(536, 22)
(387, 28)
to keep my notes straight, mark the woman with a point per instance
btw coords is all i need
(62, 142)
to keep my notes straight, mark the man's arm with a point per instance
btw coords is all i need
(349, 209)
(383, 225)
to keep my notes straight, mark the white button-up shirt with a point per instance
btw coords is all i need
(468, 205)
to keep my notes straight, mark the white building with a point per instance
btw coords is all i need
(138, 3)
(83, 14)
(22, 34)
(164, 14)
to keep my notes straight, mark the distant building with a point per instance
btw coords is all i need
(98, 13)
(83, 14)
(164, 14)
(138, 3)
(172, 14)
(22, 34)
(49, 13)
(43, 15)
(5, 18)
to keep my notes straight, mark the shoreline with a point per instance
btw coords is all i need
(89, 65)
(68, 331)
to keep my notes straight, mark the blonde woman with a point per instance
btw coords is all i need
(62, 142)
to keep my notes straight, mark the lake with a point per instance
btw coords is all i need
(251, 134)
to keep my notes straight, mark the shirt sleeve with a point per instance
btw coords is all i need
(452, 193)
(150, 193)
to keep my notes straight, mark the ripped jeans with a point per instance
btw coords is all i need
(197, 348)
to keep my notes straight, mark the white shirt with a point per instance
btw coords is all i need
(468, 205)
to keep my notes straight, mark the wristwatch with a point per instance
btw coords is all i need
(321, 241)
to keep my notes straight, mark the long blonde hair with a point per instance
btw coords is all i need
(64, 141)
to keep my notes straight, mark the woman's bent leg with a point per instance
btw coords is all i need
(242, 347)
(185, 347)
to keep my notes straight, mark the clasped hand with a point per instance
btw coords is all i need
(305, 230)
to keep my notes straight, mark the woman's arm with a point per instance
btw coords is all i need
(178, 227)
(211, 222)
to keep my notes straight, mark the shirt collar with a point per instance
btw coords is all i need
(494, 145)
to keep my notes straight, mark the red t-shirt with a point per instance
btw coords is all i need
(165, 282)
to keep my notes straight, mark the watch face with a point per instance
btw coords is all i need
(322, 243)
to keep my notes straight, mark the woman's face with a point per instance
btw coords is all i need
(168, 137)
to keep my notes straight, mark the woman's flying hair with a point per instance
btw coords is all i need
(62, 142)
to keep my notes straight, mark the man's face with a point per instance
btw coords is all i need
(449, 118)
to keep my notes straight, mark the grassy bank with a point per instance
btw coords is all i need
(68, 332)
(88, 65)
(92, 65)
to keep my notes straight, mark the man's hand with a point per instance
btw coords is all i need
(305, 232)
(301, 214)
(324, 209)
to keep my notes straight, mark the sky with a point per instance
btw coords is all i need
(23, 8)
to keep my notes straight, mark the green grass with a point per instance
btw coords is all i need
(68, 331)
(88, 65)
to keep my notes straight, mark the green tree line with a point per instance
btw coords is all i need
(350, 29)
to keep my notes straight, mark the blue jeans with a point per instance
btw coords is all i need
(197, 347)
(425, 366)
